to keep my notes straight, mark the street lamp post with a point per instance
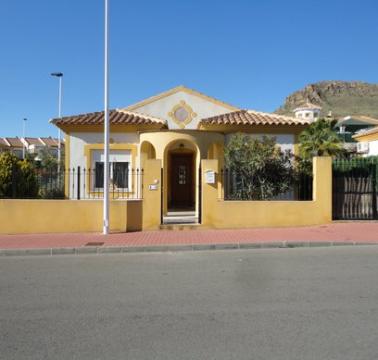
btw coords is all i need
(23, 136)
(60, 76)
(106, 123)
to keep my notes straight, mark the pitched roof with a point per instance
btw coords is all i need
(116, 117)
(49, 141)
(14, 142)
(361, 118)
(33, 141)
(365, 132)
(250, 117)
(176, 90)
(3, 143)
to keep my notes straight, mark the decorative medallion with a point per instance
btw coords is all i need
(182, 114)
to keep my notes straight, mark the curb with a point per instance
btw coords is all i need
(98, 250)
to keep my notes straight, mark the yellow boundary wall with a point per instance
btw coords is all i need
(58, 216)
(218, 213)
(54, 216)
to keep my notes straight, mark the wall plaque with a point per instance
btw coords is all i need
(210, 177)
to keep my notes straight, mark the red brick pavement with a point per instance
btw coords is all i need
(359, 232)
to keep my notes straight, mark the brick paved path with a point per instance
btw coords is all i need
(359, 232)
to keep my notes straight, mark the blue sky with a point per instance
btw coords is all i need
(251, 53)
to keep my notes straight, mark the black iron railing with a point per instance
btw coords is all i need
(237, 186)
(89, 183)
(76, 183)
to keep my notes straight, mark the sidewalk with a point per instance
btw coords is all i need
(339, 233)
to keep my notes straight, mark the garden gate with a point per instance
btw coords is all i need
(355, 189)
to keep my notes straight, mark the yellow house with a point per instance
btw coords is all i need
(367, 141)
(181, 128)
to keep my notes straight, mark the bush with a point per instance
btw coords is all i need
(8, 167)
(258, 168)
(27, 187)
(17, 177)
(54, 193)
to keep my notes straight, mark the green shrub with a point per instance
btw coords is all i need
(258, 169)
(27, 185)
(17, 177)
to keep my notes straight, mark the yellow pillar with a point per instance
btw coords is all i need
(209, 193)
(322, 186)
(151, 194)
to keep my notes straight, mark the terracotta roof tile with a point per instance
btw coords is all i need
(15, 142)
(116, 117)
(249, 117)
(3, 143)
(49, 141)
(33, 141)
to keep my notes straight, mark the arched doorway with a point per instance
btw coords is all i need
(181, 179)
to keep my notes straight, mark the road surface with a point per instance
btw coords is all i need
(309, 303)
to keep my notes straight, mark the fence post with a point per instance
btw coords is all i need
(200, 195)
(374, 185)
(78, 182)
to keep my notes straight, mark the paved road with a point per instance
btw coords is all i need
(319, 303)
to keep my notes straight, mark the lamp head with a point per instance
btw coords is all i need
(57, 74)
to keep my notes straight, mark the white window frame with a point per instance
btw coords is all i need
(115, 156)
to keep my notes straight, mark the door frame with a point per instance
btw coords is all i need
(181, 153)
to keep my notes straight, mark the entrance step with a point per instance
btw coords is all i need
(180, 213)
(181, 227)
(180, 218)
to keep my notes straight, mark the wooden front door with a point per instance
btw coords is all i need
(181, 182)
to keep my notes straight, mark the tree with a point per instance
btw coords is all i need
(257, 169)
(8, 167)
(319, 139)
(47, 160)
(17, 177)
(27, 186)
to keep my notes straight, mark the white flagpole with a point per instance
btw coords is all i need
(59, 132)
(106, 125)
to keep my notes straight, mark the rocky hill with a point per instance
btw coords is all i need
(341, 97)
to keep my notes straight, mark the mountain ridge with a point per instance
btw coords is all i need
(341, 97)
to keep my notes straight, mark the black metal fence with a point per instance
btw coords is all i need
(354, 193)
(50, 183)
(238, 187)
(89, 183)
(78, 183)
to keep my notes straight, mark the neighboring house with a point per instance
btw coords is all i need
(180, 127)
(353, 123)
(367, 142)
(346, 127)
(350, 125)
(33, 146)
(308, 111)
(4, 145)
(30, 144)
(15, 145)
